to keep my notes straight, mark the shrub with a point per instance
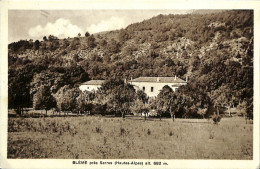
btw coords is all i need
(216, 118)
(98, 130)
(122, 131)
(105, 140)
(149, 132)
(170, 134)
(211, 135)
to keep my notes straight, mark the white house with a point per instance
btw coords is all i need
(153, 85)
(150, 85)
(91, 85)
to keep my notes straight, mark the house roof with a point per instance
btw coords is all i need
(93, 82)
(159, 79)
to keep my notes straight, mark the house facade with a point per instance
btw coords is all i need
(153, 85)
(150, 85)
(91, 85)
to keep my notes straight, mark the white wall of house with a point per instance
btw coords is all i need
(152, 89)
(89, 88)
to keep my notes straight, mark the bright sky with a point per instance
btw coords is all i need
(34, 24)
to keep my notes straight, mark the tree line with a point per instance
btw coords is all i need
(115, 97)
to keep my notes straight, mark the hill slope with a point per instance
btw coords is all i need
(214, 50)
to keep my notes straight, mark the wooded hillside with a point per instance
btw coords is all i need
(214, 50)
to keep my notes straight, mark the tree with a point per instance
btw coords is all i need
(51, 38)
(85, 102)
(75, 74)
(129, 49)
(103, 42)
(165, 101)
(64, 44)
(87, 34)
(141, 105)
(113, 46)
(117, 95)
(36, 45)
(160, 37)
(44, 38)
(192, 97)
(249, 108)
(142, 96)
(123, 36)
(51, 79)
(122, 98)
(141, 108)
(53, 44)
(66, 98)
(75, 43)
(19, 78)
(180, 103)
(43, 99)
(91, 41)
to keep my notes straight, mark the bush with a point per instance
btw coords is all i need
(149, 132)
(170, 134)
(122, 131)
(216, 118)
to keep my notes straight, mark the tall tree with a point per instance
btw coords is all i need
(66, 98)
(91, 41)
(36, 45)
(85, 102)
(165, 101)
(19, 78)
(117, 95)
(140, 107)
(43, 99)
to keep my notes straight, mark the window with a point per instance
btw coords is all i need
(143, 88)
(151, 89)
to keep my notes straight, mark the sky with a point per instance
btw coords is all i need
(34, 24)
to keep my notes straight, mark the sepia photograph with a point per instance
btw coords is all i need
(117, 84)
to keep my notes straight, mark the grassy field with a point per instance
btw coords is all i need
(114, 138)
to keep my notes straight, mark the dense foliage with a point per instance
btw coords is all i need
(214, 50)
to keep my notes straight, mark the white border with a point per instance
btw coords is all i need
(119, 4)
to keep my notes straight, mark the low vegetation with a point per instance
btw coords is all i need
(216, 118)
(98, 137)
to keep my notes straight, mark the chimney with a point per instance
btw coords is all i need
(158, 79)
(175, 77)
(125, 80)
(187, 79)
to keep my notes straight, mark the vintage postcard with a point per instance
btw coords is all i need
(117, 84)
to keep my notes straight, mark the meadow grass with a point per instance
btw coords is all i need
(115, 138)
